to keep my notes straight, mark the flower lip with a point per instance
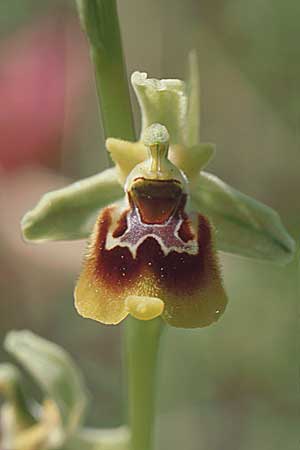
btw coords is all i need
(149, 262)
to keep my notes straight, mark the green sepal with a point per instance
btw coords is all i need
(70, 213)
(94, 439)
(54, 372)
(244, 226)
(162, 101)
(171, 102)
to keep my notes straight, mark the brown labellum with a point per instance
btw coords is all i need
(173, 260)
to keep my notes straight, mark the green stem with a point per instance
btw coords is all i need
(100, 21)
(142, 346)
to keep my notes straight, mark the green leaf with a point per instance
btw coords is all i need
(244, 226)
(71, 212)
(54, 372)
(93, 439)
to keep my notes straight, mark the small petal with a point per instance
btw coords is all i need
(193, 159)
(70, 213)
(126, 155)
(244, 226)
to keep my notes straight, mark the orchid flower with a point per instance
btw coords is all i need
(156, 220)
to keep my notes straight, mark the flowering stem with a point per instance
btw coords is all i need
(142, 343)
(100, 21)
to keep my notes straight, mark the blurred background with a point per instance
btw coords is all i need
(232, 386)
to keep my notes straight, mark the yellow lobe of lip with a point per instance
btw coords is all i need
(144, 308)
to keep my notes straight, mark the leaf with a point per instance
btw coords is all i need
(244, 226)
(54, 372)
(69, 213)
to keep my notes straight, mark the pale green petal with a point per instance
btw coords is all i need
(193, 159)
(126, 155)
(106, 439)
(70, 213)
(54, 372)
(244, 226)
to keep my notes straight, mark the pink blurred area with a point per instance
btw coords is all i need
(44, 80)
(43, 66)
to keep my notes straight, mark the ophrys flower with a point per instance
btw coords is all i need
(148, 255)
(152, 250)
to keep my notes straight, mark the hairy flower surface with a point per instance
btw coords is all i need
(157, 219)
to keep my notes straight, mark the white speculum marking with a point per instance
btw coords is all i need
(167, 235)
